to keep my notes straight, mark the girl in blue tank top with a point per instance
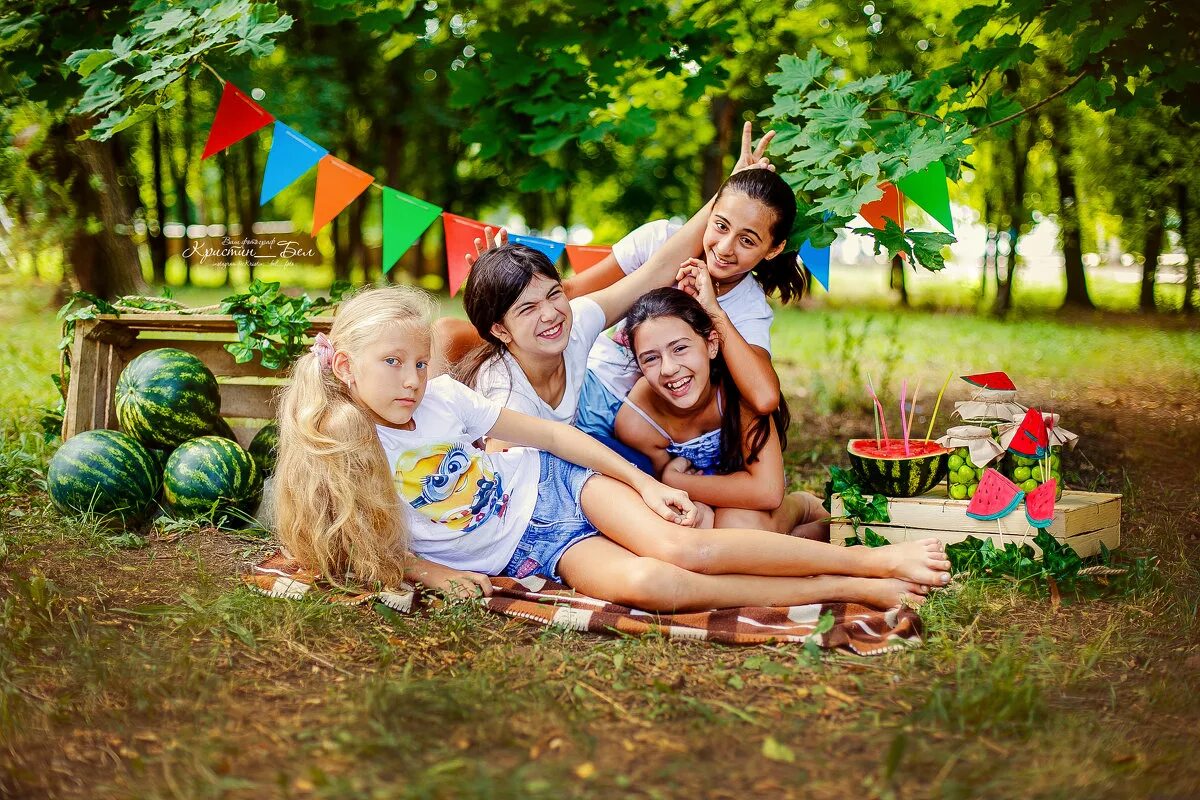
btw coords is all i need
(687, 416)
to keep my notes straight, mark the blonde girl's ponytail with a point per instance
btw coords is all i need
(336, 506)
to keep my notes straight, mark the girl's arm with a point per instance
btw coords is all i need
(571, 444)
(631, 429)
(601, 276)
(440, 578)
(749, 364)
(758, 486)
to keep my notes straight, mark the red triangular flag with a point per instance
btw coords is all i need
(585, 256)
(237, 117)
(461, 233)
(338, 184)
(890, 205)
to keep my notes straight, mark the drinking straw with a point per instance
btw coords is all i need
(903, 426)
(875, 411)
(912, 408)
(937, 405)
(879, 413)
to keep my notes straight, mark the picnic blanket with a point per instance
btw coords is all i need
(856, 629)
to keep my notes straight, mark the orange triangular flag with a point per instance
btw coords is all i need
(237, 117)
(461, 233)
(338, 184)
(890, 205)
(584, 256)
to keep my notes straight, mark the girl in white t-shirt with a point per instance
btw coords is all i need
(378, 475)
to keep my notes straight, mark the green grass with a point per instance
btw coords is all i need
(147, 672)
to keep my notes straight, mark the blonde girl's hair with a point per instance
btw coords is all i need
(336, 507)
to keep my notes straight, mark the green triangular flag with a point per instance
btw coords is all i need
(928, 189)
(405, 218)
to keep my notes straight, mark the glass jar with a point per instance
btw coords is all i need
(1030, 472)
(972, 449)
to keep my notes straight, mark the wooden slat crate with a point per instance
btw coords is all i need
(1083, 520)
(103, 346)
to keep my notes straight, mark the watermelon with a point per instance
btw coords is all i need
(995, 497)
(884, 467)
(165, 397)
(1039, 504)
(105, 472)
(213, 476)
(264, 448)
(996, 381)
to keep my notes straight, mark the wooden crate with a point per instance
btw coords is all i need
(1083, 520)
(103, 346)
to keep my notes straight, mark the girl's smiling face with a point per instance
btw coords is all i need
(675, 359)
(388, 377)
(738, 236)
(539, 323)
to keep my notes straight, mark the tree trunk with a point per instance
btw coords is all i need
(106, 262)
(156, 239)
(1019, 153)
(896, 279)
(1068, 212)
(1151, 250)
(1186, 231)
(182, 207)
(226, 209)
(723, 113)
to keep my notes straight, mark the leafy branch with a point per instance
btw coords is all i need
(273, 324)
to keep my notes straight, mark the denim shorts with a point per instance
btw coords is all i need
(558, 521)
(595, 416)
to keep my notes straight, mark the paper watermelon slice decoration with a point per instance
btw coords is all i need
(995, 497)
(1031, 439)
(1039, 504)
(997, 381)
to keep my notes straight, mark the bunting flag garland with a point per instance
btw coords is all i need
(237, 117)
(291, 156)
(816, 261)
(891, 205)
(405, 218)
(586, 256)
(928, 190)
(548, 247)
(338, 184)
(461, 233)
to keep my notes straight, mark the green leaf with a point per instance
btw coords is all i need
(796, 75)
(927, 248)
(773, 750)
(970, 21)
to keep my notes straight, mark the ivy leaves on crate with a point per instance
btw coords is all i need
(858, 508)
(272, 323)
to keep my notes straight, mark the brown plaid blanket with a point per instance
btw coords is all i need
(856, 629)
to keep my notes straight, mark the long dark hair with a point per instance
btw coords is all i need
(496, 281)
(675, 303)
(783, 274)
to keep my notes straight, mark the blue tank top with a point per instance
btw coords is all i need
(703, 451)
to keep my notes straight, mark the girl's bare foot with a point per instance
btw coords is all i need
(922, 562)
(888, 593)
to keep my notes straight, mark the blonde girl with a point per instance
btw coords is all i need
(378, 475)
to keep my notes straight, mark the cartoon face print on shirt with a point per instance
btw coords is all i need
(451, 485)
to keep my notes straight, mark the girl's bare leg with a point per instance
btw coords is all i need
(800, 514)
(618, 512)
(601, 568)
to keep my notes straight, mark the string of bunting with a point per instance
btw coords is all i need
(406, 218)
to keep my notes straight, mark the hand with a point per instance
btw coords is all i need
(755, 158)
(693, 278)
(453, 583)
(679, 464)
(673, 505)
(488, 242)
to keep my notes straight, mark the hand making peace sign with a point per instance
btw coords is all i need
(755, 158)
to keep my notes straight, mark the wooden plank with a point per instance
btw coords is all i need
(1075, 513)
(80, 413)
(106, 387)
(1085, 544)
(248, 400)
(212, 353)
(245, 431)
(166, 321)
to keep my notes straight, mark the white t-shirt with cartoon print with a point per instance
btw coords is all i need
(502, 379)
(746, 304)
(467, 508)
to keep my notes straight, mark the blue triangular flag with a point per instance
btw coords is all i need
(552, 249)
(817, 262)
(291, 156)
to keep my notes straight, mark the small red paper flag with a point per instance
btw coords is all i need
(586, 256)
(461, 233)
(237, 117)
(890, 205)
(338, 184)
(1031, 440)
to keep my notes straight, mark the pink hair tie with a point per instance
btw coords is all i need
(323, 349)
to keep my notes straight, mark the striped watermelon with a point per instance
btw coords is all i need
(105, 472)
(884, 467)
(213, 476)
(167, 396)
(264, 448)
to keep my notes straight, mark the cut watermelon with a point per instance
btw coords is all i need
(884, 468)
(998, 381)
(1031, 439)
(995, 497)
(1039, 504)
